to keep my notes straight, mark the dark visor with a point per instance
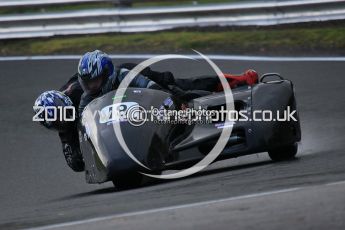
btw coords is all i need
(91, 86)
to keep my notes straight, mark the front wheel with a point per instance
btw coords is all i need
(283, 153)
(128, 181)
(132, 180)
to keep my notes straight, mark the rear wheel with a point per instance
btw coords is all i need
(283, 153)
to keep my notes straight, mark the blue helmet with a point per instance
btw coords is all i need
(56, 99)
(94, 69)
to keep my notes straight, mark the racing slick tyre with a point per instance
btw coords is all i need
(132, 180)
(128, 181)
(283, 153)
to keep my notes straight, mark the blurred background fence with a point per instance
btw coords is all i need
(46, 18)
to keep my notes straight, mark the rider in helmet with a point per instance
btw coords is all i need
(97, 75)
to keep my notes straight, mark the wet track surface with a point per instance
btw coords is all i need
(37, 188)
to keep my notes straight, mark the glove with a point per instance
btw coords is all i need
(73, 157)
(163, 79)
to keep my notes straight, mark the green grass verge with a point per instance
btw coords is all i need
(264, 41)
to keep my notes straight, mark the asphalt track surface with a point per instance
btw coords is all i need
(38, 189)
